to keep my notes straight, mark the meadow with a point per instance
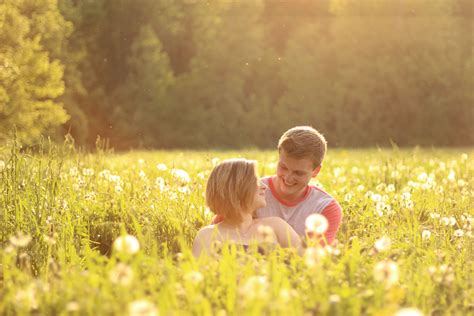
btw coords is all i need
(404, 248)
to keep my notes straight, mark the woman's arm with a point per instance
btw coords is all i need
(287, 237)
(202, 241)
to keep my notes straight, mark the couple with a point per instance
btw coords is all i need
(281, 202)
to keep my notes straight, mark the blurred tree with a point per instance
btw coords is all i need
(210, 100)
(31, 34)
(394, 68)
(140, 103)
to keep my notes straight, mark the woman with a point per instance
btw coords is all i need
(234, 192)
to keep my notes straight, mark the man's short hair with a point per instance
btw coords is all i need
(304, 142)
(231, 188)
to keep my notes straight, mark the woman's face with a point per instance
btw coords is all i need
(259, 197)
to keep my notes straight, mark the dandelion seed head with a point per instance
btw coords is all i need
(73, 306)
(142, 308)
(127, 244)
(20, 240)
(317, 224)
(425, 234)
(194, 277)
(409, 311)
(181, 176)
(387, 272)
(161, 167)
(383, 244)
(122, 274)
(256, 287)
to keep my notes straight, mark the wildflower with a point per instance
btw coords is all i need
(452, 176)
(72, 306)
(286, 295)
(126, 244)
(376, 197)
(434, 215)
(334, 298)
(390, 188)
(266, 234)
(444, 221)
(142, 175)
(215, 161)
(313, 255)
(458, 233)
(87, 172)
(317, 224)
(142, 308)
(452, 221)
(118, 188)
(409, 312)
(2, 165)
(181, 176)
(90, 196)
(348, 197)
(194, 277)
(104, 174)
(160, 183)
(161, 167)
(26, 297)
(406, 196)
(360, 188)
(122, 274)
(20, 240)
(383, 244)
(425, 234)
(256, 287)
(386, 272)
(73, 171)
(184, 189)
(141, 161)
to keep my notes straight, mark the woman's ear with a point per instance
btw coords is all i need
(316, 171)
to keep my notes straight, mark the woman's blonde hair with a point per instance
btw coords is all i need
(231, 188)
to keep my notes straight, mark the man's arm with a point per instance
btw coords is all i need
(333, 213)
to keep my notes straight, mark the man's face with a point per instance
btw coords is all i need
(293, 175)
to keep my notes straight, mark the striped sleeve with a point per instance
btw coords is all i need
(333, 213)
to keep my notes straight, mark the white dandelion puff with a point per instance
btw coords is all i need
(142, 308)
(425, 234)
(383, 244)
(317, 224)
(409, 311)
(127, 244)
(386, 272)
(20, 240)
(161, 167)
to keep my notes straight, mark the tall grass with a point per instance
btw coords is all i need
(73, 205)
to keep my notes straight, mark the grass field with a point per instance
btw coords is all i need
(405, 241)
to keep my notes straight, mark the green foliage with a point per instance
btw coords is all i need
(229, 74)
(30, 78)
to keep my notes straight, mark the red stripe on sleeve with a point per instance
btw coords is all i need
(333, 213)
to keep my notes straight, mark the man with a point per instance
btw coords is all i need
(290, 197)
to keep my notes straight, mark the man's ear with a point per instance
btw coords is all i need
(316, 171)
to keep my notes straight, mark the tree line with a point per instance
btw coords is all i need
(236, 73)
